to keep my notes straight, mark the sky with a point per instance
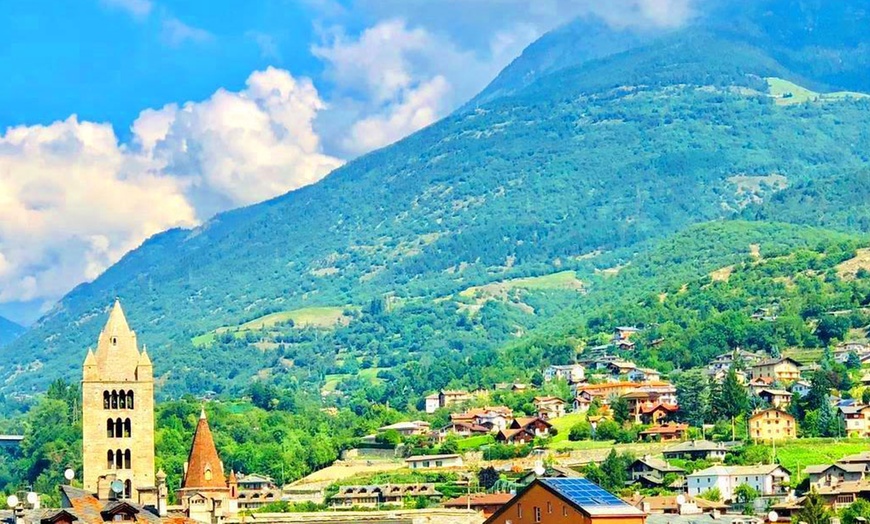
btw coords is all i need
(120, 119)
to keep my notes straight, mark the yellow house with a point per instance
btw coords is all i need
(772, 424)
(779, 369)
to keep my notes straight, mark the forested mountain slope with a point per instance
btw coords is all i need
(577, 171)
(8, 331)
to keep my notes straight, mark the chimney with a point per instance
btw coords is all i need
(161, 494)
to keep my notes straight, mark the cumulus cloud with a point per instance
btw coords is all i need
(73, 199)
(393, 79)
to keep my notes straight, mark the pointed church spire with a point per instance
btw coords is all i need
(117, 323)
(204, 468)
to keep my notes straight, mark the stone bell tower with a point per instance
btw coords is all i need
(118, 415)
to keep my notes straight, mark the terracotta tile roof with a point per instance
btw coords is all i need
(483, 499)
(204, 467)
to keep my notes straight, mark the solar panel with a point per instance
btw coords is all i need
(583, 492)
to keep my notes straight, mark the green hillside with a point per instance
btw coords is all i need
(583, 170)
(9, 331)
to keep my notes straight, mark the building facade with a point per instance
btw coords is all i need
(118, 414)
(772, 424)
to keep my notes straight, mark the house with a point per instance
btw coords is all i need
(669, 432)
(757, 384)
(515, 436)
(561, 500)
(79, 506)
(534, 425)
(777, 398)
(255, 491)
(417, 427)
(446, 398)
(655, 390)
(621, 367)
(463, 429)
(858, 458)
(581, 404)
(551, 471)
(378, 495)
(782, 369)
(856, 420)
(696, 450)
(434, 461)
(657, 413)
(767, 480)
(801, 387)
(726, 361)
(571, 373)
(772, 424)
(674, 505)
(486, 503)
(830, 475)
(843, 494)
(492, 417)
(549, 407)
(644, 375)
(652, 470)
(624, 333)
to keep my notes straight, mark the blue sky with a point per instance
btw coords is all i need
(120, 119)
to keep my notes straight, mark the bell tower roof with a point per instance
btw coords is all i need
(117, 354)
(204, 468)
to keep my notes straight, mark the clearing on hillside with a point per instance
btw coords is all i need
(789, 93)
(561, 280)
(849, 269)
(317, 317)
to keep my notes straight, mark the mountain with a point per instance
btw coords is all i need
(9, 331)
(580, 168)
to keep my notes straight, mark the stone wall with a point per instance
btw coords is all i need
(419, 516)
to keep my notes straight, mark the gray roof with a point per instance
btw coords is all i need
(695, 445)
(852, 467)
(658, 464)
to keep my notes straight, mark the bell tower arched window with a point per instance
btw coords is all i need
(110, 460)
(114, 400)
(110, 428)
(130, 399)
(106, 400)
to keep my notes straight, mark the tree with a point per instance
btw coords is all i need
(712, 494)
(580, 431)
(693, 394)
(745, 494)
(859, 508)
(607, 430)
(621, 410)
(614, 470)
(734, 399)
(814, 510)
(487, 477)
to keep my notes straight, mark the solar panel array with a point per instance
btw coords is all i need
(583, 492)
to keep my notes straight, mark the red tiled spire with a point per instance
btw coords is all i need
(204, 468)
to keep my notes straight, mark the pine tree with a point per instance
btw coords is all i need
(621, 410)
(734, 399)
(693, 393)
(814, 511)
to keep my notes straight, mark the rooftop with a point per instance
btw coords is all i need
(723, 471)
(589, 497)
(419, 458)
(694, 445)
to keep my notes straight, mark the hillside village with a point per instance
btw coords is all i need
(484, 459)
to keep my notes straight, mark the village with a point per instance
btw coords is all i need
(546, 460)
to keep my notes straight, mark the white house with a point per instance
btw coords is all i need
(434, 461)
(768, 480)
(572, 373)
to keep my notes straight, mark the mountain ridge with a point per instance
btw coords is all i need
(596, 158)
(9, 331)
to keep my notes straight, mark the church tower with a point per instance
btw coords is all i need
(206, 494)
(118, 415)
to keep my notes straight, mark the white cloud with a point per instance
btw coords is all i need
(136, 8)
(175, 32)
(73, 200)
(267, 44)
(393, 79)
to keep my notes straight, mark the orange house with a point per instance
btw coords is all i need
(566, 501)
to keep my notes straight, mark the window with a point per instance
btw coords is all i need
(128, 489)
(128, 428)
(564, 510)
(110, 428)
(519, 511)
(114, 341)
(110, 460)
(107, 400)
(549, 508)
(127, 460)
(537, 514)
(114, 400)
(129, 400)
